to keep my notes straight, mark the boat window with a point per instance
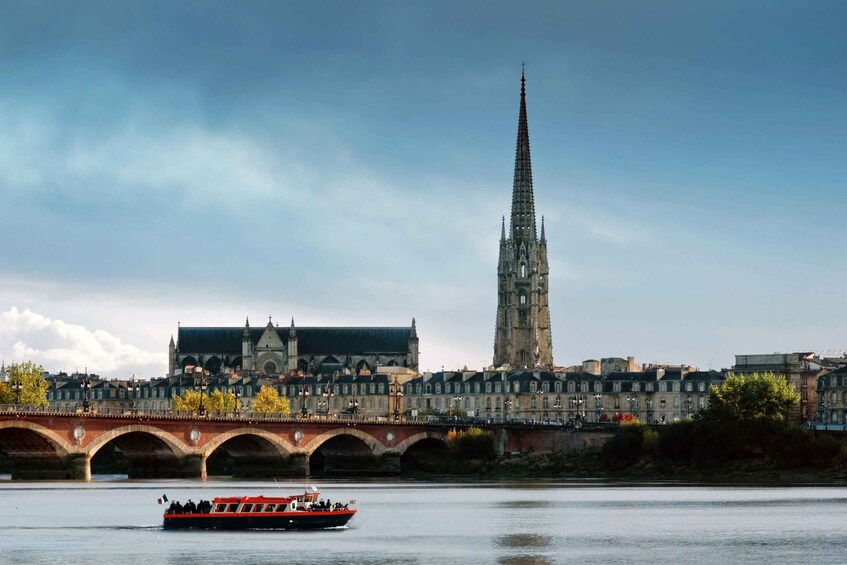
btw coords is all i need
(233, 507)
(258, 508)
(270, 508)
(247, 508)
(221, 508)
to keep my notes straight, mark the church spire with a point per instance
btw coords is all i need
(523, 200)
(543, 237)
(503, 230)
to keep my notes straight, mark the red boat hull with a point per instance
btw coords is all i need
(298, 520)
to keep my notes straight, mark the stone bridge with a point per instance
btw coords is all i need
(62, 445)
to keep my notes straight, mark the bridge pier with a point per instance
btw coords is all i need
(78, 466)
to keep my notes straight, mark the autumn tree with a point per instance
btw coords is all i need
(33, 386)
(216, 401)
(268, 401)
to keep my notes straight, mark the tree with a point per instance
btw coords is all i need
(188, 401)
(746, 398)
(217, 401)
(33, 390)
(268, 401)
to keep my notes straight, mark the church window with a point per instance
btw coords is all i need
(523, 270)
(523, 298)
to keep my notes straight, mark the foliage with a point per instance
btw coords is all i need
(631, 441)
(472, 443)
(745, 398)
(33, 385)
(624, 418)
(189, 400)
(268, 401)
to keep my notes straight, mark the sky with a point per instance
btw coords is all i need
(348, 164)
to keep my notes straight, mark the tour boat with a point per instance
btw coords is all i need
(297, 512)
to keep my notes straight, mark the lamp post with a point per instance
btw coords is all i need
(17, 386)
(326, 394)
(577, 403)
(557, 404)
(236, 392)
(303, 392)
(598, 404)
(353, 406)
(133, 392)
(507, 405)
(649, 410)
(86, 388)
(398, 394)
(825, 406)
(456, 401)
(632, 399)
(201, 376)
(688, 407)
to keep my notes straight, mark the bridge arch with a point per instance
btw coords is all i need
(404, 445)
(251, 452)
(150, 452)
(213, 444)
(36, 452)
(370, 441)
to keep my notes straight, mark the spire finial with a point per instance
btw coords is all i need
(523, 78)
(543, 237)
(503, 228)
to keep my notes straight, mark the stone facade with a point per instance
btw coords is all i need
(522, 336)
(800, 369)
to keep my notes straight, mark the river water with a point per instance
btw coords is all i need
(118, 521)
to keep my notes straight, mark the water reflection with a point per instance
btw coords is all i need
(523, 542)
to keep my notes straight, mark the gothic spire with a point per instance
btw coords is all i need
(503, 230)
(414, 333)
(543, 237)
(523, 201)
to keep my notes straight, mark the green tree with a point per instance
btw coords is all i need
(217, 401)
(268, 401)
(33, 390)
(746, 398)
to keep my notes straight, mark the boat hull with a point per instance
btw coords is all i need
(275, 521)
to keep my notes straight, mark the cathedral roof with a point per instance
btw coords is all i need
(309, 340)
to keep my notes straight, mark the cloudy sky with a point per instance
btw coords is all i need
(348, 163)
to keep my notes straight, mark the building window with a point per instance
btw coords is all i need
(648, 387)
(663, 387)
(636, 387)
(438, 388)
(688, 387)
(545, 387)
(533, 386)
(498, 387)
(446, 388)
(701, 386)
(616, 387)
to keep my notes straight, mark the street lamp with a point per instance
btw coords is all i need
(133, 392)
(688, 407)
(236, 392)
(398, 394)
(201, 376)
(577, 403)
(632, 399)
(303, 392)
(825, 406)
(353, 406)
(598, 404)
(17, 386)
(649, 410)
(557, 404)
(86, 388)
(456, 401)
(326, 393)
(507, 405)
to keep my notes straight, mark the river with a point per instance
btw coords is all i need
(110, 520)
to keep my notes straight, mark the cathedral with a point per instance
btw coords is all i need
(522, 337)
(272, 351)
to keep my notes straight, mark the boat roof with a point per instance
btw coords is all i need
(254, 499)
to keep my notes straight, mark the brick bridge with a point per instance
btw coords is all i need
(61, 445)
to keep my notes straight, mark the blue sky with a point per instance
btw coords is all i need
(348, 164)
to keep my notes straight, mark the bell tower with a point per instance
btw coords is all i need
(522, 336)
